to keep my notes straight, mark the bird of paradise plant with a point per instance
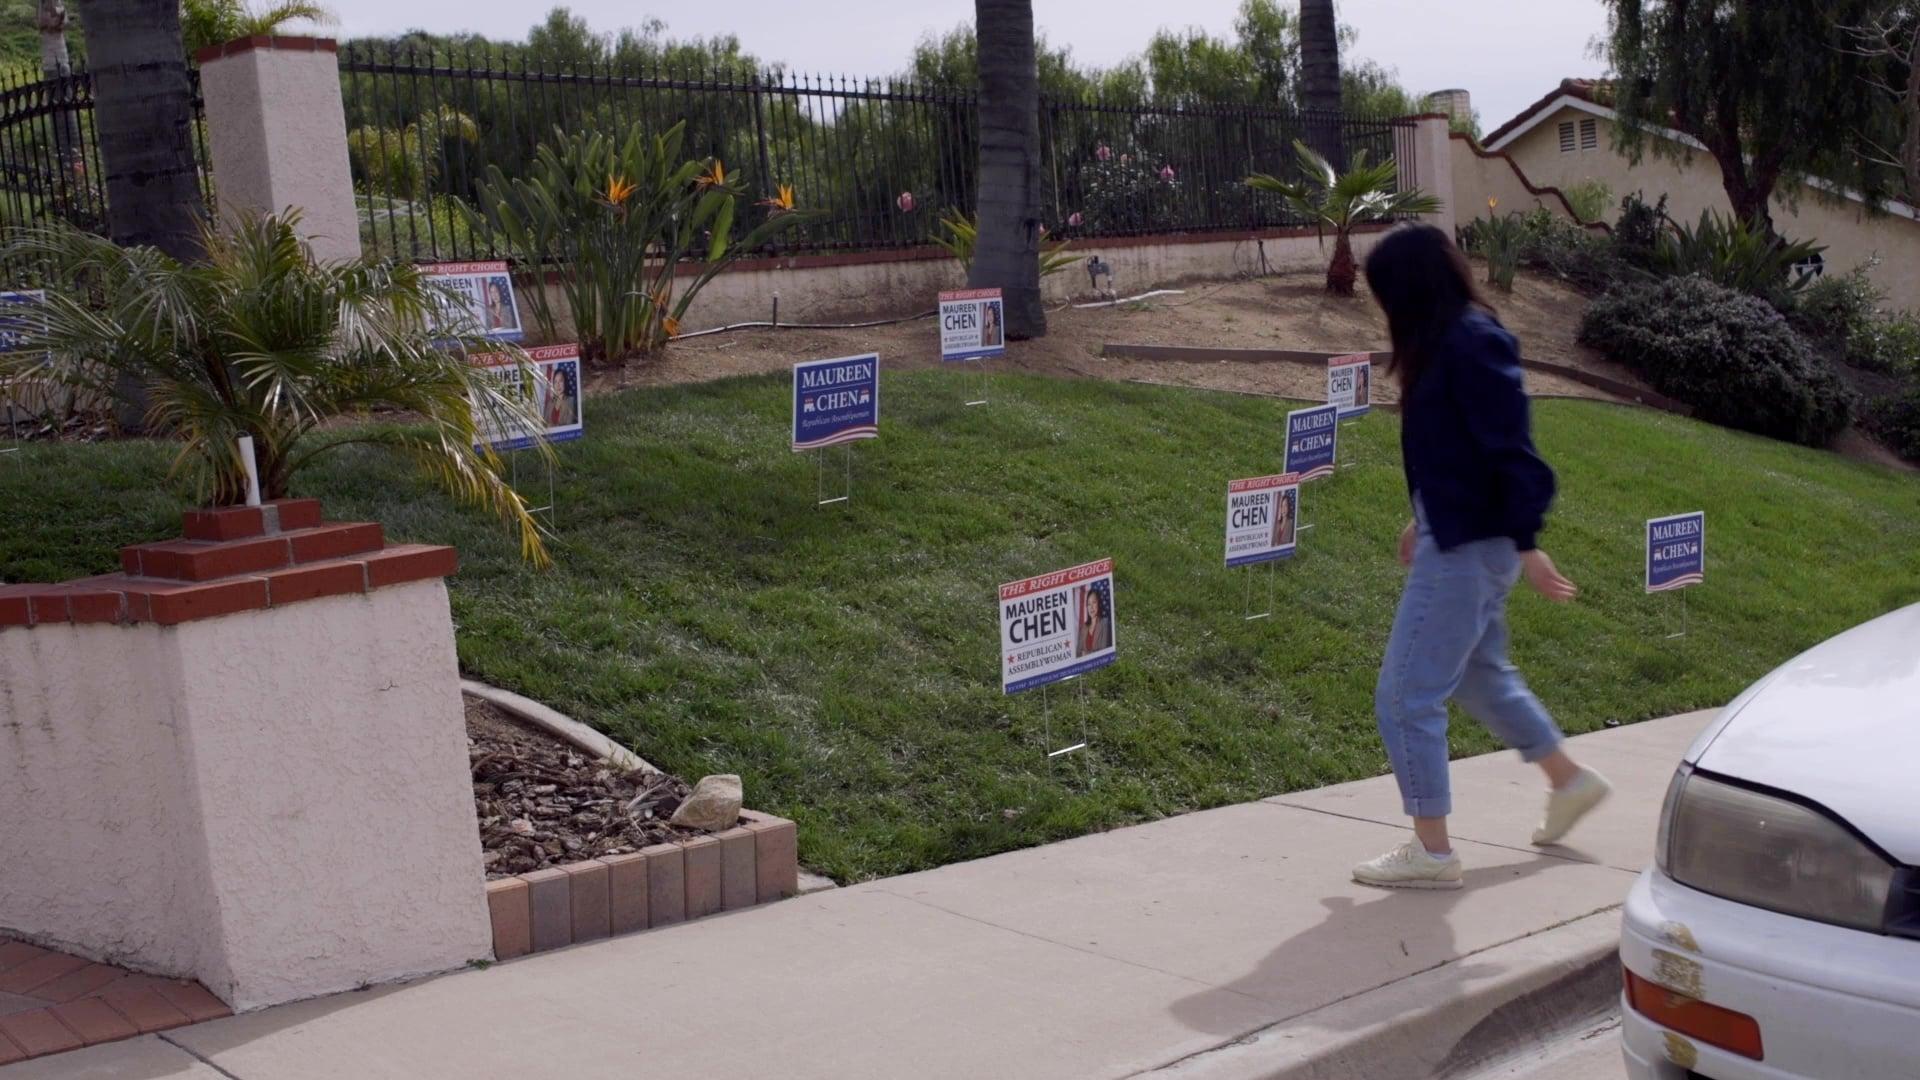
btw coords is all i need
(614, 219)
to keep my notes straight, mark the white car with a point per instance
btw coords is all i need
(1778, 934)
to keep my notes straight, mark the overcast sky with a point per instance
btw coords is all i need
(1507, 52)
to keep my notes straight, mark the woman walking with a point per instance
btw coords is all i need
(1480, 494)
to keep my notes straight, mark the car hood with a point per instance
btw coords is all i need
(1840, 725)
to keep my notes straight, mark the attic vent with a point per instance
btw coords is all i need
(1566, 137)
(1589, 135)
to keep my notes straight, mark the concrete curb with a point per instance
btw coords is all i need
(557, 724)
(1445, 1022)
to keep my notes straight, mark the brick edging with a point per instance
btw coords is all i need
(755, 862)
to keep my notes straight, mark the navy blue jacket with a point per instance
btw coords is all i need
(1467, 444)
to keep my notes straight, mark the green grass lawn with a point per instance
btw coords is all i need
(843, 660)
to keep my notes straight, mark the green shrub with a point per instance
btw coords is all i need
(1842, 315)
(1732, 357)
(1589, 199)
(1737, 254)
(1895, 419)
(1638, 229)
(1572, 252)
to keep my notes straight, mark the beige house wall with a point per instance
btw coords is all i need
(1851, 234)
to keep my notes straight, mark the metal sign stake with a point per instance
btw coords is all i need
(1046, 723)
(1682, 632)
(981, 362)
(820, 479)
(513, 463)
(1273, 571)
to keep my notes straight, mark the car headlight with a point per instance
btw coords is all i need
(1769, 852)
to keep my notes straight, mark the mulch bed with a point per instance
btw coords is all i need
(542, 802)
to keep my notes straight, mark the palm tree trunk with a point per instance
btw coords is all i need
(1320, 79)
(143, 114)
(1342, 272)
(1006, 250)
(143, 110)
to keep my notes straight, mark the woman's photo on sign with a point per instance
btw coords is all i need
(1284, 507)
(1093, 607)
(562, 394)
(991, 333)
(497, 298)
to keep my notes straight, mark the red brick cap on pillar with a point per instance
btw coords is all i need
(237, 558)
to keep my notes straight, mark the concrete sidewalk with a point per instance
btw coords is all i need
(1222, 944)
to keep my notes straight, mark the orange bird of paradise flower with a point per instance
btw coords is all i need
(781, 203)
(619, 190)
(714, 177)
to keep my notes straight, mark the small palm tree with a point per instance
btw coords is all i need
(1340, 202)
(216, 22)
(262, 340)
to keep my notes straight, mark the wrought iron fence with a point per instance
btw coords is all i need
(50, 166)
(425, 124)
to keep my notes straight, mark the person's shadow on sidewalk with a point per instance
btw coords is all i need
(1369, 938)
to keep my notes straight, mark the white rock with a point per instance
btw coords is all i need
(713, 806)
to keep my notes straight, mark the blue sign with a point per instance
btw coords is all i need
(1676, 551)
(836, 401)
(22, 319)
(1312, 438)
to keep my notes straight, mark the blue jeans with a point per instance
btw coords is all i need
(1450, 641)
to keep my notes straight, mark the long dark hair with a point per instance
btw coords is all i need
(1424, 285)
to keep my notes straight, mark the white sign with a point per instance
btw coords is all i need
(483, 293)
(1350, 384)
(549, 386)
(973, 324)
(1056, 626)
(1263, 517)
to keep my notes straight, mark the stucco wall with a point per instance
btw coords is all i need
(1478, 177)
(273, 802)
(850, 289)
(99, 827)
(1850, 233)
(276, 128)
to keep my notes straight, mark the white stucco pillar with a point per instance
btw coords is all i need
(1424, 153)
(244, 761)
(278, 132)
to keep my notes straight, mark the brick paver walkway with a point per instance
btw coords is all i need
(52, 1002)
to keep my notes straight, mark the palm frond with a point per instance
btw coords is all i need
(263, 340)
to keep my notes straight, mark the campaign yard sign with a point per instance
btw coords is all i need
(549, 385)
(1312, 441)
(1676, 551)
(973, 324)
(836, 401)
(22, 319)
(1056, 626)
(1263, 516)
(1350, 384)
(482, 299)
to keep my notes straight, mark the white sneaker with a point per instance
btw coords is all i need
(1567, 806)
(1410, 867)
